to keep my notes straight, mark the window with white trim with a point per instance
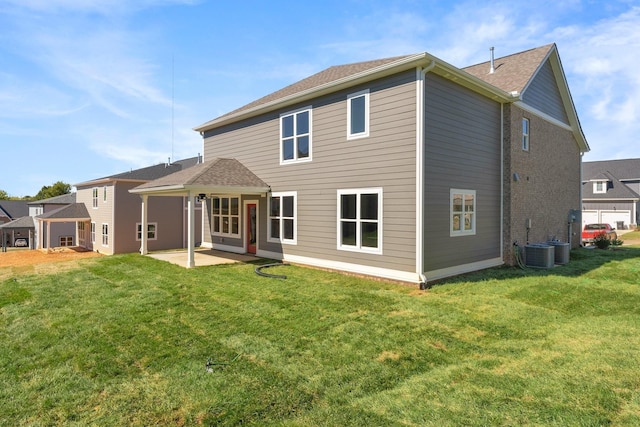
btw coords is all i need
(600, 187)
(283, 214)
(360, 220)
(463, 212)
(151, 231)
(358, 114)
(104, 194)
(225, 215)
(66, 241)
(525, 134)
(105, 234)
(295, 136)
(94, 192)
(93, 232)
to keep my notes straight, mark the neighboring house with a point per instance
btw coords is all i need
(57, 233)
(405, 168)
(13, 209)
(10, 212)
(611, 192)
(109, 220)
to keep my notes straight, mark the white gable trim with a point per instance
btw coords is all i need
(543, 116)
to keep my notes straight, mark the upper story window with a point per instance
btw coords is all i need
(600, 187)
(94, 192)
(104, 194)
(283, 218)
(295, 136)
(360, 220)
(463, 212)
(225, 215)
(525, 134)
(358, 114)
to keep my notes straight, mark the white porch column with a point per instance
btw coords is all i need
(144, 226)
(48, 235)
(191, 230)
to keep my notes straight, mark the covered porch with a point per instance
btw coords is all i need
(199, 182)
(74, 213)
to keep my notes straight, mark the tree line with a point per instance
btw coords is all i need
(47, 191)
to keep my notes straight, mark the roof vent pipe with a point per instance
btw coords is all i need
(493, 69)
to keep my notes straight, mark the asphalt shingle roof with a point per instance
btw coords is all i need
(512, 72)
(217, 172)
(15, 208)
(72, 211)
(623, 169)
(63, 199)
(24, 222)
(149, 173)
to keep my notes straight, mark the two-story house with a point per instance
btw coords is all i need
(405, 168)
(611, 192)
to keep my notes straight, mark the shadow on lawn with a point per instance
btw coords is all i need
(582, 260)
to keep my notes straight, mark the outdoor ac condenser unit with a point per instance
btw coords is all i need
(539, 255)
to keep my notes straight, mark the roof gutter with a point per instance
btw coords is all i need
(410, 62)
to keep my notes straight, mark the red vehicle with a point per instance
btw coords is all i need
(592, 230)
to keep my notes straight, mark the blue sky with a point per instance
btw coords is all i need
(90, 88)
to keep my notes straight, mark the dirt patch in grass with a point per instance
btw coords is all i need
(24, 257)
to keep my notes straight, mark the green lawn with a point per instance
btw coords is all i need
(124, 340)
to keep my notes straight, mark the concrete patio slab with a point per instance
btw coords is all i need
(203, 257)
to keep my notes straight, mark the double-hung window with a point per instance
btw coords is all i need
(151, 231)
(295, 136)
(94, 194)
(463, 212)
(360, 220)
(358, 114)
(105, 234)
(93, 232)
(225, 215)
(600, 187)
(104, 194)
(283, 216)
(525, 134)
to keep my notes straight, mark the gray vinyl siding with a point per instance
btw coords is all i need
(462, 151)
(385, 159)
(543, 94)
(102, 214)
(166, 212)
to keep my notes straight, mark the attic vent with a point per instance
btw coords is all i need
(492, 69)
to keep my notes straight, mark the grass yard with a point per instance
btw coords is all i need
(124, 340)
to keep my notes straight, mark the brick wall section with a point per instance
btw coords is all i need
(549, 184)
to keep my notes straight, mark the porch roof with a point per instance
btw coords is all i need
(219, 175)
(24, 222)
(72, 212)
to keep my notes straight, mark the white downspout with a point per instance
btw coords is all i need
(144, 226)
(420, 141)
(502, 182)
(191, 231)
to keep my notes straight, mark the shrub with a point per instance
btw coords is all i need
(601, 240)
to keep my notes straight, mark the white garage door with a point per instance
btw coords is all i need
(613, 217)
(590, 217)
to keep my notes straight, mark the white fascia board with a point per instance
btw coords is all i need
(183, 190)
(544, 116)
(377, 72)
(421, 59)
